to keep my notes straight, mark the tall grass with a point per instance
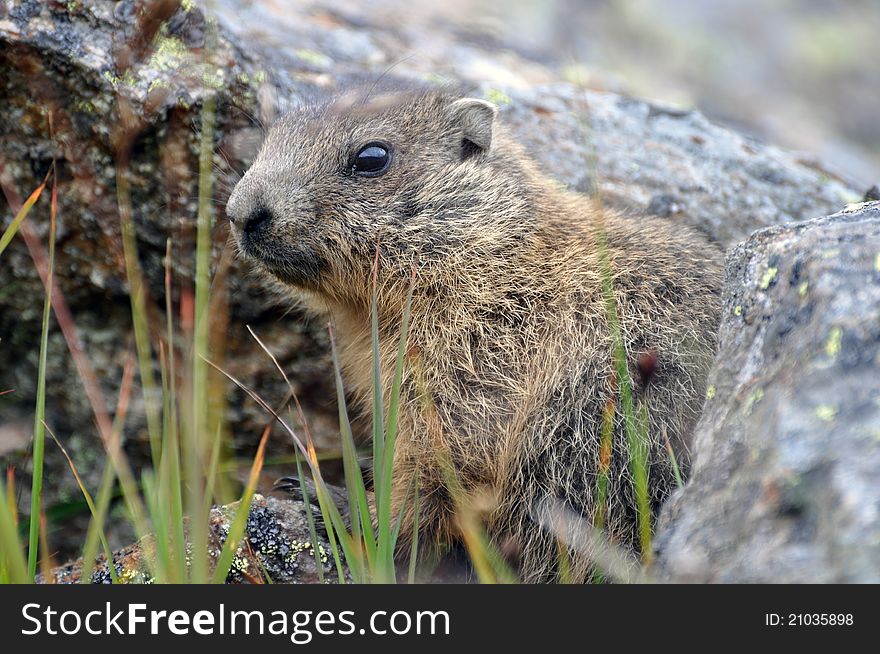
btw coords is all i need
(11, 568)
(93, 509)
(635, 419)
(171, 499)
(40, 409)
(10, 232)
(13, 564)
(368, 540)
(369, 547)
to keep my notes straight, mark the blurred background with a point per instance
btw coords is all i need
(803, 74)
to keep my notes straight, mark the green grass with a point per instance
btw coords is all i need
(185, 444)
(10, 566)
(237, 528)
(93, 509)
(13, 564)
(39, 446)
(635, 419)
(10, 232)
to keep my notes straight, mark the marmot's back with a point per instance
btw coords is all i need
(666, 283)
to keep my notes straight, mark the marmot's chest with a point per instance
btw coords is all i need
(474, 386)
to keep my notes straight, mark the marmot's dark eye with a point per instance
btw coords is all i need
(371, 160)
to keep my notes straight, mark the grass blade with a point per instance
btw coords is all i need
(325, 501)
(10, 231)
(326, 512)
(310, 519)
(679, 481)
(40, 410)
(200, 429)
(105, 491)
(138, 293)
(359, 510)
(10, 487)
(606, 446)
(414, 547)
(92, 508)
(378, 403)
(169, 480)
(95, 533)
(239, 523)
(15, 567)
(383, 490)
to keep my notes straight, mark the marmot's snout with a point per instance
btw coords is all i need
(252, 221)
(274, 235)
(249, 211)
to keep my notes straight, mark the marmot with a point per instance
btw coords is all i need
(509, 338)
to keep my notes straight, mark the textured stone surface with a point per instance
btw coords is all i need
(785, 484)
(279, 544)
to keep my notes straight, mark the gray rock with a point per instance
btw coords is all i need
(669, 162)
(785, 484)
(279, 547)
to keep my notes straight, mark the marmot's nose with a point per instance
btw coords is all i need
(248, 223)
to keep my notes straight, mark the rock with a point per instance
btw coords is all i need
(131, 78)
(279, 544)
(784, 485)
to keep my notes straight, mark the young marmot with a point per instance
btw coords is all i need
(509, 341)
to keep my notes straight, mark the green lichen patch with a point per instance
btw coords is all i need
(253, 79)
(803, 287)
(213, 77)
(169, 53)
(497, 96)
(832, 343)
(754, 399)
(313, 57)
(768, 277)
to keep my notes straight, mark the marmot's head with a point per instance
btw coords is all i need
(427, 176)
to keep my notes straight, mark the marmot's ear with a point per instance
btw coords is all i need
(475, 118)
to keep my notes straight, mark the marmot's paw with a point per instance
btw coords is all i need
(291, 486)
(297, 491)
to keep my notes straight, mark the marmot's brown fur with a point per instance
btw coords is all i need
(510, 362)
